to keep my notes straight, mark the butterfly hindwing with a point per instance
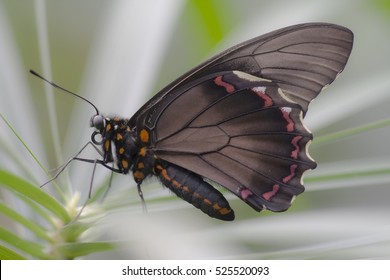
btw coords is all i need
(239, 131)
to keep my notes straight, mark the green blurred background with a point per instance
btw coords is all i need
(120, 53)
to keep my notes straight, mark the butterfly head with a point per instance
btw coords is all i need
(98, 122)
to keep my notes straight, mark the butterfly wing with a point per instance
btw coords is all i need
(301, 59)
(237, 118)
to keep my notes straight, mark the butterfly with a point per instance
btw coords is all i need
(235, 120)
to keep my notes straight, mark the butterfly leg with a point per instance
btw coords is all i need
(141, 195)
(143, 167)
(109, 184)
(62, 168)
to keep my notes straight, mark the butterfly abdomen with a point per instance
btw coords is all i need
(193, 189)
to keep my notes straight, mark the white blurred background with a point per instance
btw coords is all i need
(120, 53)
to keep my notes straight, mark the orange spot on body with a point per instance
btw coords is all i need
(224, 211)
(107, 145)
(108, 127)
(119, 137)
(165, 175)
(216, 206)
(141, 165)
(207, 201)
(125, 163)
(139, 175)
(142, 152)
(144, 135)
(176, 184)
(121, 151)
(197, 195)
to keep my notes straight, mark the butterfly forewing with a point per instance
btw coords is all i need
(301, 59)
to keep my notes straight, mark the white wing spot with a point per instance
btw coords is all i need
(307, 150)
(293, 198)
(303, 123)
(249, 77)
(280, 91)
(259, 90)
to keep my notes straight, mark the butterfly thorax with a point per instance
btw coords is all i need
(120, 144)
(117, 141)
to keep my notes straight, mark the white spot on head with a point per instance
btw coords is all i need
(286, 109)
(249, 77)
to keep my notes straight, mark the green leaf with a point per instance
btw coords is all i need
(19, 185)
(209, 14)
(38, 209)
(349, 132)
(26, 246)
(8, 254)
(348, 175)
(30, 152)
(32, 226)
(74, 250)
(383, 5)
(21, 141)
(72, 231)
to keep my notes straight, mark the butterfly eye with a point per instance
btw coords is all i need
(98, 122)
(96, 138)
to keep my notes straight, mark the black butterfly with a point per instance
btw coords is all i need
(235, 120)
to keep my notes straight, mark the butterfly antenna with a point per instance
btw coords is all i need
(64, 89)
